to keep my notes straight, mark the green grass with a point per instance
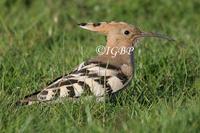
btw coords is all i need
(35, 48)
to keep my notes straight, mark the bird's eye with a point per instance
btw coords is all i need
(126, 32)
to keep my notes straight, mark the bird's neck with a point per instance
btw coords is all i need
(120, 51)
(117, 58)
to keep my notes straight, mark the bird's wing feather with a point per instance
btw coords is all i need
(95, 77)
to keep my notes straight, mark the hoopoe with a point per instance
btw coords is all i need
(103, 75)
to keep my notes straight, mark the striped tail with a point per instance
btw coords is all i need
(29, 99)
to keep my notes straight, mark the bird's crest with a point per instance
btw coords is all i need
(120, 30)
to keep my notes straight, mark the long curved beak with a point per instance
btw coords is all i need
(152, 34)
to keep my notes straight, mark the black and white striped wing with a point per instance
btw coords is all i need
(94, 77)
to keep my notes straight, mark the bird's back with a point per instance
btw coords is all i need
(91, 78)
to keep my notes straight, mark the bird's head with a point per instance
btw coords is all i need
(120, 34)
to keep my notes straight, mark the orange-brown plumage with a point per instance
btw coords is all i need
(102, 75)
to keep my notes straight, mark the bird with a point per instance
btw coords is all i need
(102, 75)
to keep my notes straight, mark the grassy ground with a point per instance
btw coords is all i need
(39, 40)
